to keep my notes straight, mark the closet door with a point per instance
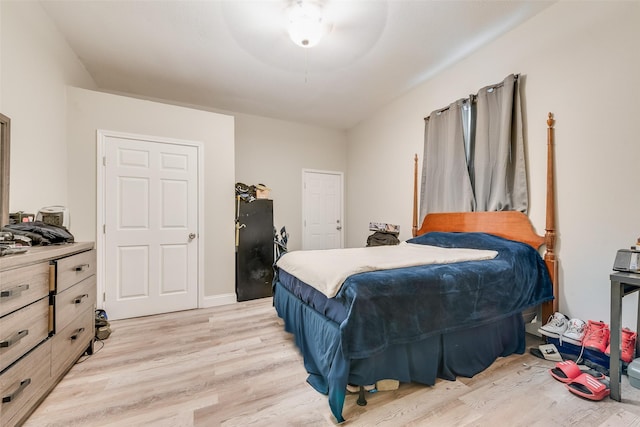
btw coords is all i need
(151, 226)
(322, 210)
(254, 253)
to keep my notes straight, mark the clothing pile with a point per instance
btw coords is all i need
(382, 238)
(280, 242)
(384, 234)
(249, 193)
(40, 233)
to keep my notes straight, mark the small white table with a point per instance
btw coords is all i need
(622, 284)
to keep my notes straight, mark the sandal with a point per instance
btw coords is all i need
(589, 387)
(565, 371)
(568, 370)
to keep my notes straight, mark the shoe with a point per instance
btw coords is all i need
(589, 387)
(627, 345)
(575, 332)
(567, 371)
(556, 325)
(597, 336)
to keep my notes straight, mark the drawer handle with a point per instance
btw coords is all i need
(12, 396)
(8, 293)
(77, 334)
(79, 299)
(81, 267)
(14, 339)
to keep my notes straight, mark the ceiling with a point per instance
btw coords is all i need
(236, 55)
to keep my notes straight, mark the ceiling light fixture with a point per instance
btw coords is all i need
(306, 26)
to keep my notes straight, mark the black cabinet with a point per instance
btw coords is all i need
(254, 250)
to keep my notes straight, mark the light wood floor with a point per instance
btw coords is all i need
(235, 366)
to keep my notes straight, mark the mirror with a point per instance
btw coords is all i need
(5, 138)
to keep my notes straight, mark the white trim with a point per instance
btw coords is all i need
(218, 300)
(304, 204)
(101, 136)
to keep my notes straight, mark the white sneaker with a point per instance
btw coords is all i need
(575, 332)
(556, 326)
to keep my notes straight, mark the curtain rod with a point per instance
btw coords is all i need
(472, 97)
(442, 110)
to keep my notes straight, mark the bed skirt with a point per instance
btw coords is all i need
(447, 356)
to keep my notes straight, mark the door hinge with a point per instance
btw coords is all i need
(104, 296)
(104, 228)
(104, 160)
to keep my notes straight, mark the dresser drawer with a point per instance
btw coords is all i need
(69, 344)
(72, 269)
(22, 286)
(22, 330)
(73, 301)
(22, 385)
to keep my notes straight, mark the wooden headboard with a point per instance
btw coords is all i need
(512, 225)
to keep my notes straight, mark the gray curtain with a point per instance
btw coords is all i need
(498, 170)
(474, 160)
(445, 186)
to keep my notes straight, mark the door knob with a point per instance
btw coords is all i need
(192, 236)
(339, 227)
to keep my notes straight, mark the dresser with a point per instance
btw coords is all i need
(47, 321)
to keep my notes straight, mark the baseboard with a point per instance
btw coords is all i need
(217, 300)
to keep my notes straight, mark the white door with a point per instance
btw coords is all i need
(151, 226)
(322, 210)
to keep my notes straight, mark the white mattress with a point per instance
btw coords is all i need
(326, 270)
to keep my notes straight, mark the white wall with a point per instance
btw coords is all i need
(89, 111)
(274, 153)
(580, 61)
(37, 65)
(52, 164)
(54, 156)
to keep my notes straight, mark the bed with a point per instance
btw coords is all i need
(421, 322)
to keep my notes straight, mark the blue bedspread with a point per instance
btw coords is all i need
(405, 305)
(410, 324)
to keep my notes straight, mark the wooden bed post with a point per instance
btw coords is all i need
(414, 228)
(550, 307)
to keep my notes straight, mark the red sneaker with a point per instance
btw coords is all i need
(597, 336)
(627, 345)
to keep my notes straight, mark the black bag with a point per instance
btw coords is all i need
(381, 238)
